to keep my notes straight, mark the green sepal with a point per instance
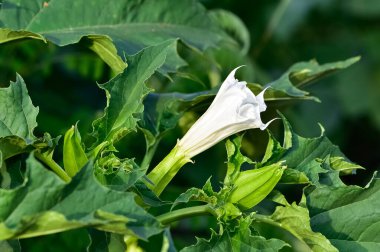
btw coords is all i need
(253, 186)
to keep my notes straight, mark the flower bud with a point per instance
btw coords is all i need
(253, 186)
(74, 156)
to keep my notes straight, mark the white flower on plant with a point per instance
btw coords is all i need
(234, 109)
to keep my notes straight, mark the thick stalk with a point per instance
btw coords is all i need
(165, 171)
(53, 165)
(183, 213)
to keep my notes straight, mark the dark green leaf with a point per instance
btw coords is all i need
(206, 194)
(126, 91)
(319, 159)
(131, 25)
(44, 204)
(348, 216)
(18, 115)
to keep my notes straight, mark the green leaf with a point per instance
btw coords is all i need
(18, 119)
(7, 35)
(292, 224)
(14, 145)
(233, 26)
(44, 204)
(118, 174)
(18, 115)
(298, 75)
(348, 216)
(239, 239)
(131, 25)
(206, 194)
(319, 159)
(235, 159)
(126, 91)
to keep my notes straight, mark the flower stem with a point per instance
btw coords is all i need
(165, 171)
(179, 214)
(53, 165)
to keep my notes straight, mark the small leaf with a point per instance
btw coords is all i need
(17, 113)
(235, 159)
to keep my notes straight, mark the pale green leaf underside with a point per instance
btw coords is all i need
(131, 25)
(299, 75)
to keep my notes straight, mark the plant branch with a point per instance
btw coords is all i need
(183, 213)
(47, 160)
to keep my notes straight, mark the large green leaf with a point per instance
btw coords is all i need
(348, 216)
(318, 158)
(239, 239)
(131, 25)
(126, 91)
(44, 204)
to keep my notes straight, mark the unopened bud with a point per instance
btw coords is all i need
(253, 186)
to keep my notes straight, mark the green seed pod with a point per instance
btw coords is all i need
(253, 186)
(74, 157)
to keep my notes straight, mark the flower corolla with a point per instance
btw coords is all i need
(235, 108)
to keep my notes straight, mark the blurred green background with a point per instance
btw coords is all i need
(62, 81)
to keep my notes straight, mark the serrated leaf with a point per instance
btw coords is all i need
(348, 216)
(117, 173)
(287, 87)
(239, 239)
(302, 73)
(235, 159)
(126, 91)
(291, 223)
(131, 25)
(315, 157)
(44, 204)
(18, 116)
(206, 194)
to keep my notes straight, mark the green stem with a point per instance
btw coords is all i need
(53, 165)
(179, 214)
(149, 154)
(165, 171)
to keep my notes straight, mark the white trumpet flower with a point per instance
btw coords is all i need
(234, 109)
